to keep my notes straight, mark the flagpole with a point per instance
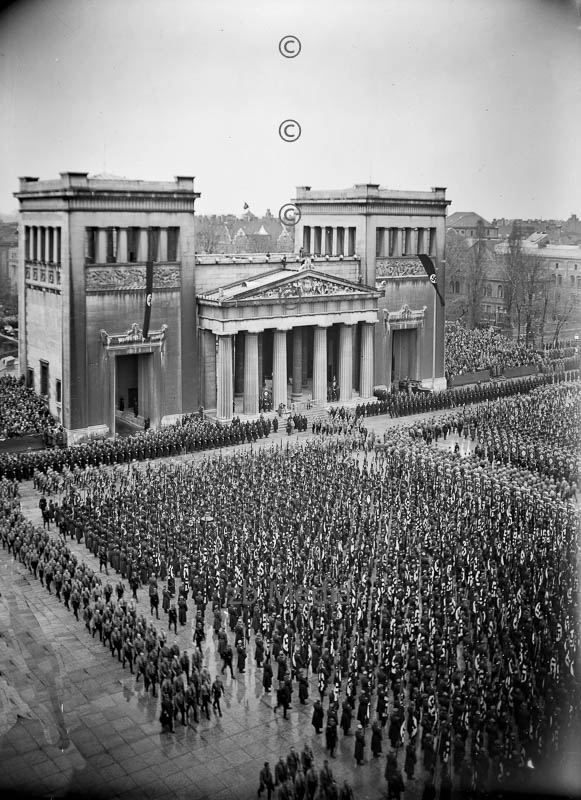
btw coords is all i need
(434, 346)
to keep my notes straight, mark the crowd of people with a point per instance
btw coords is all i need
(187, 436)
(184, 683)
(416, 595)
(195, 432)
(404, 403)
(472, 350)
(538, 432)
(417, 592)
(22, 411)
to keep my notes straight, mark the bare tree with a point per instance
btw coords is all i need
(527, 289)
(466, 265)
(209, 233)
(562, 305)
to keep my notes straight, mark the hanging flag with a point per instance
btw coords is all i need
(148, 297)
(430, 269)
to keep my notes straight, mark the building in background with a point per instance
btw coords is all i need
(8, 268)
(227, 233)
(525, 284)
(559, 231)
(471, 225)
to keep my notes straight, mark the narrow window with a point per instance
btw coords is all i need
(44, 378)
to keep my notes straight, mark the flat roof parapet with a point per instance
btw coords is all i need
(81, 182)
(361, 191)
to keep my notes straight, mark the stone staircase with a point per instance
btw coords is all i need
(129, 421)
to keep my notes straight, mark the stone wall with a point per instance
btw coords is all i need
(44, 316)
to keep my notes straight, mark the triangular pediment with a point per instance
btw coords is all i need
(302, 284)
(288, 283)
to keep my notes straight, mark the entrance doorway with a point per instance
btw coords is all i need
(127, 398)
(126, 381)
(404, 355)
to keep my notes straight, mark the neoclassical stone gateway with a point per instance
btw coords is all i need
(291, 327)
(119, 319)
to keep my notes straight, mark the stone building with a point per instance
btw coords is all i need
(350, 309)
(84, 247)
(472, 225)
(385, 230)
(8, 267)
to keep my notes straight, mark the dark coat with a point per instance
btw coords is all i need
(318, 716)
(359, 745)
(346, 717)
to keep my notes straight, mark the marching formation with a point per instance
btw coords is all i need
(424, 603)
(195, 433)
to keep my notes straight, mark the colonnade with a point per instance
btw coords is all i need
(127, 245)
(329, 241)
(42, 244)
(252, 366)
(390, 242)
(397, 242)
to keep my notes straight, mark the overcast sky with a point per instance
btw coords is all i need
(480, 96)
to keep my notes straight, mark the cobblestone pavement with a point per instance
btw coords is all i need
(74, 723)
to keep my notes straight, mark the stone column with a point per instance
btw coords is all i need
(143, 245)
(239, 347)
(57, 245)
(250, 373)
(323, 240)
(208, 369)
(366, 356)
(397, 244)
(122, 246)
(334, 242)
(101, 246)
(420, 247)
(350, 242)
(305, 357)
(346, 362)
(297, 363)
(279, 377)
(319, 365)
(414, 236)
(318, 234)
(224, 378)
(162, 250)
(431, 248)
(260, 362)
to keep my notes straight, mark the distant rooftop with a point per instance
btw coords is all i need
(467, 219)
(572, 251)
